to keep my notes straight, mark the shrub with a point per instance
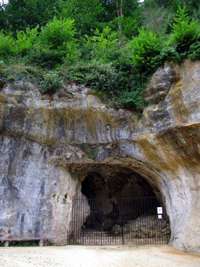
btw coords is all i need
(45, 57)
(56, 44)
(7, 45)
(132, 99)
(168, 54)
(103, 77)
(51, 82)
(130, 25)
(116, 84)
(59, 34)
(17, 71)
(103, 46)
(185, 32)
(145, 49)
(85, 13)
(26, 40)
(194, 51)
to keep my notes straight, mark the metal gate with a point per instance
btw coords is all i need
(137, 221)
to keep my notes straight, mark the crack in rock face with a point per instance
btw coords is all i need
(51, 147)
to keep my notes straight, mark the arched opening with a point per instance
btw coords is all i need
(123, 207)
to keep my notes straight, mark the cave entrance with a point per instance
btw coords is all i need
(119, 207)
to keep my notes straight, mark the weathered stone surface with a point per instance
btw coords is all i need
(48, 145)
(160, 84)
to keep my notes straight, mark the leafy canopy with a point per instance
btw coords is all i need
(113, 46)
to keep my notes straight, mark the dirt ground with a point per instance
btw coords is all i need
(71, 256)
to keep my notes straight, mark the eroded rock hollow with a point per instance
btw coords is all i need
(50, 148)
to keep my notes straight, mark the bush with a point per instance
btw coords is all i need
(130, 25)
(103, 46)
(132, 99)
(168, 54)
(85, 13)
(7, 45)
(57, 33)
(116, 84)
(17, 71)
(103, 77)
(26, 40)
(51, 82)
(194, 51)
(185, 32)
(145, 51)
(46, 58)
(56, 44)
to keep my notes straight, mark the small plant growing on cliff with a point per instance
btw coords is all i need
(145, 49)
(98, 76)
(132, 99)
(194, 51)
(185, 32)
(51, 82)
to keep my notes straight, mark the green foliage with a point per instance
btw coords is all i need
(25, 41)
(130, 25)
(185, 32)
(145, 50)
(168, 53)
(194, 51)
(103, 46)
(6, 45)
(132, 99)
(85, 13)
(96, 75)
(118, 83)
(157, 17)
(51, 82)
(123, 8)
(56, 43)
(123, 16)
(57, 33)
(45, 57)
(17, 71)
(19, 14)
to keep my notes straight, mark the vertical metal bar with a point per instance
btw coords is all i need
(122, 234)
(137, 220)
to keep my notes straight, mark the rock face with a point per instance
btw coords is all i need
(48, 146)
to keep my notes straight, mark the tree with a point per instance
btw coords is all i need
(86, 13)
(19, 14)
(123, 13)
(90, 15)
(174, 4)
(2, 15)
(118, 8)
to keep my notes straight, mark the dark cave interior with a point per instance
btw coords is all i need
(117, 196)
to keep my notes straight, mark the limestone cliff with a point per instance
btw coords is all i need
(48, 145)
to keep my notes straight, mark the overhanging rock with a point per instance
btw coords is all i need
(47, 146)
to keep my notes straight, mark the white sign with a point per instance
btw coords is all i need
(159, 210)
(159, 216)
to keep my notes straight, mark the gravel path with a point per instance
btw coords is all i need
(160, 256)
